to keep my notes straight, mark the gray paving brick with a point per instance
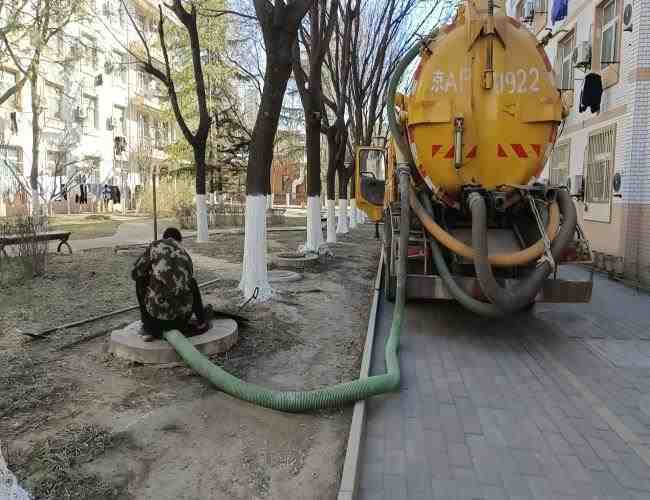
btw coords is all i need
(637, 466)
(440, 466)
(574, 468)
(528, 463)
(453, 429)
(394, 462)
(608, 485)
(483, 458)
(558, 444)
(459, 455)
(494, 493)
(372, 476)
(394, 487)
(627, 478)
(589, 458)
(517, 487)
(471, 424)
(603, 450)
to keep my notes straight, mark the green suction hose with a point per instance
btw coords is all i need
(348, 392)
(327, 397)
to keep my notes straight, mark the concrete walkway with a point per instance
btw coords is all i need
(553, 404)
(134, 233)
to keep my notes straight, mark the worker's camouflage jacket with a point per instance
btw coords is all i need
(166, 270)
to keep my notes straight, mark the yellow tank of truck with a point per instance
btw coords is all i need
(483, 110)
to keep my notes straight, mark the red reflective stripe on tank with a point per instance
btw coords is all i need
(472, 152)
(450, 153)
(501, 153)
(538, 149)
(434, 149)
(519, 150)
(553, 135)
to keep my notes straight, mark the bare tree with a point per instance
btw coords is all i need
(315, 41)
(337, 86)
(279, 22)
(162, 71)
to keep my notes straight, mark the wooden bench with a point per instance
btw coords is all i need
(61, 236)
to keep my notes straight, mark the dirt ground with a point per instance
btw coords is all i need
(75, 422)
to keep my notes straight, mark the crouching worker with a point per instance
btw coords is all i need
(166, 289)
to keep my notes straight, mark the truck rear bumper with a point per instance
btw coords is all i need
(425, 287)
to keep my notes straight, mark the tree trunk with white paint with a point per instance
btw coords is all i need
(202, 234)
(342, 227)
(254, 272)
(353, 213)
(314, 228)
(331, 221)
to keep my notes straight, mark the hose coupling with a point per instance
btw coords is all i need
(403, 168)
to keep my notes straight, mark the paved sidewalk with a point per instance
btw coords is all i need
(554, 404)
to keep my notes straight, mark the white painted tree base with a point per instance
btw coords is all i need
(202, 235)
(314, 228)
(342, 226)
(353, 213)
(254, 270)
(331, 221)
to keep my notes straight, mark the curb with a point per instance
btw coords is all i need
(350, 475)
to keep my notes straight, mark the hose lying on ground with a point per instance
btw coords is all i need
(328, 397)
(521, 295)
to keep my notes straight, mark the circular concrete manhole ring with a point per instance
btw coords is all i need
(296, 260)
(127, 343)
(281, 276)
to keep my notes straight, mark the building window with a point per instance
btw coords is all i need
(54, 100)
(119, 119)
(8, 79)
(559, 168)
(600, 164)
(92, 169)
(565, 62)
(56, 164)
(89, 58)
(120, 66)
(121, 14)
(13, 155)
(143, 129)
(92, 116)
(609, 33)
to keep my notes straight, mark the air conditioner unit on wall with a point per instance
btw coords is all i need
(627, 18)
(582, 55)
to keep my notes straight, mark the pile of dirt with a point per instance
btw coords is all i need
(80, 423)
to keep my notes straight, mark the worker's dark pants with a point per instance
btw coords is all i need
(156, 327)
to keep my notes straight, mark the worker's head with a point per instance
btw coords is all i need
(173, 233)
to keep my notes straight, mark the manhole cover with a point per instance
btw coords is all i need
(283, 276)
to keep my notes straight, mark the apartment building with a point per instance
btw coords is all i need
(604, 157)
(100, 115)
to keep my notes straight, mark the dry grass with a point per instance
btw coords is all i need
(53, 468)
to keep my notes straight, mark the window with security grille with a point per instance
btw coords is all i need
(599, 168)
(559, 170)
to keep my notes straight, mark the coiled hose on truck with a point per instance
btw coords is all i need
(503, 300)
(519, 296)
(327, 397)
